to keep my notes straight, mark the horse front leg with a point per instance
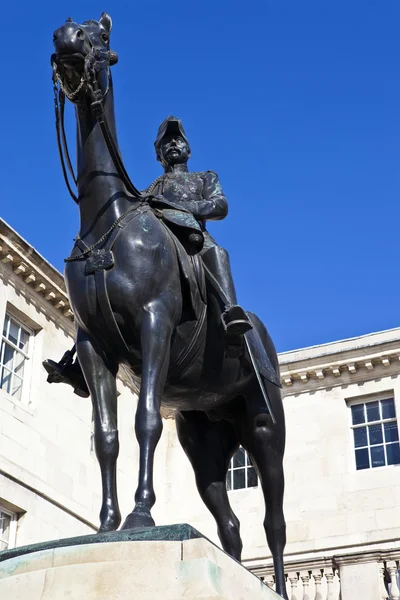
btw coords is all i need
(100, 374)
(156, 334)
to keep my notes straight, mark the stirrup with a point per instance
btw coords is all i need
(235, 322)
(61, 373)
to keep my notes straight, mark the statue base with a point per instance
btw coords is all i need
(173, 562)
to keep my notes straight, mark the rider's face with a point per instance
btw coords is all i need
(175, 150)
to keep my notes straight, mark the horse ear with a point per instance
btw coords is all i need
(106, 22)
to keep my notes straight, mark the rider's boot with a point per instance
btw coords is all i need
(235, 321)
(67, 371)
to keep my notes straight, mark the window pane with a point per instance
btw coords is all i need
(239, 479)
(377, 456)
(375, 434)
(362, 459)
(19, 364)
(239, 458)
(12, 362)
(5, 380)
(373, 411)
(228, 480)
(5, 521)
(23, 340)
(391, 432)
(8, 356)
(357, 413)
(16, 388)
(388, 411)
(6, 320)
(360, 437)
(393, 454)
(251, 477)
(13, 332)
(249, 460)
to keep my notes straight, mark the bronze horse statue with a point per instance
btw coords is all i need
(131, 307)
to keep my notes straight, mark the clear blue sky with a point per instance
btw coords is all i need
(294, 104)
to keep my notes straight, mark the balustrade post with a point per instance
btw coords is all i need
(294, 580)
(383, 594)
(329, 574)
(270, 581)
(317, 576)
(394, 588)
(305, 578)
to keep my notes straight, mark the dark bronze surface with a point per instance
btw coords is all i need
(157, 295)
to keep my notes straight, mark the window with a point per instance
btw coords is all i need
(13, 357)
(241, 473)
(8, 528)
(375, 434)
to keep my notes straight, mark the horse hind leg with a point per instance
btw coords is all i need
(265, 443)
(100, 375)
(210, 447)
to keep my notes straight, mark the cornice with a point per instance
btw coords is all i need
(21, 265)
(344, 368)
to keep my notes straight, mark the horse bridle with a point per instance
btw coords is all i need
(93, 63)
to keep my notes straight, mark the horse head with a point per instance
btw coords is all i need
(82, 56)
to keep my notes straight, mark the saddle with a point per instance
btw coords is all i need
(188, 239)
(194, 291)
(184, 226)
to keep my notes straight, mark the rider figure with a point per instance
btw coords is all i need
(201, 195)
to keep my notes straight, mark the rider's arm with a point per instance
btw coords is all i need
(214, 205)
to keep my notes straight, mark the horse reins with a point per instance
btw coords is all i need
(92, 64)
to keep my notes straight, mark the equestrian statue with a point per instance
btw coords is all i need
(150, 289)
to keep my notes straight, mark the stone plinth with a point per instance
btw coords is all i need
(172, 563)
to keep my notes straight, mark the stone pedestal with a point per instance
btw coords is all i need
(170, 563)
(359, 576)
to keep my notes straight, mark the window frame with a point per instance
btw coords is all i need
(24, 400)
(13, 527)
(388, 395)
(246, 468)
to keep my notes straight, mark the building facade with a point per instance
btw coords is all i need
(342, 464)
(49, 480)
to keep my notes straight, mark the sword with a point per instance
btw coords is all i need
(259, 379)
(267, 370)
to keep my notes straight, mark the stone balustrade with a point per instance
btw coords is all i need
(309, 583)
(357, 576)
(389, 579)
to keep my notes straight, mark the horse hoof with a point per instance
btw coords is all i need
(107, 527)
(138, 519)
(110, 522)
